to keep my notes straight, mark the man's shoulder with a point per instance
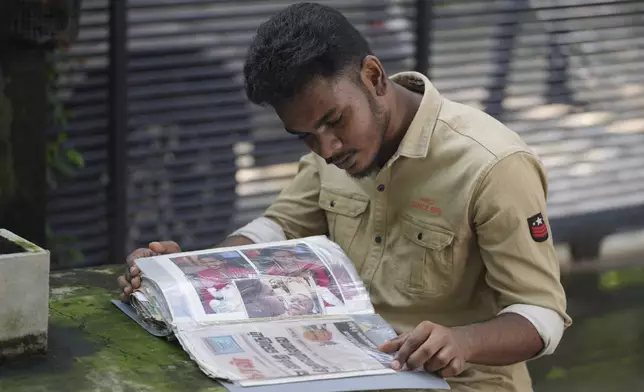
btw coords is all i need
(480, 136)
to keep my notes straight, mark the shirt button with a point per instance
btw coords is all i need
(381, 188)
(420, 236)
(378, 239)
(332, 204)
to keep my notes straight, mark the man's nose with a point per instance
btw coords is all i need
(329, 145)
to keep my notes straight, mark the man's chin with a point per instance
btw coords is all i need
(361, 173)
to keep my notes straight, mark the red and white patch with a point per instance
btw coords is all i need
(538, 228)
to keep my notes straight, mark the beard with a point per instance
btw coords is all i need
(381, 120)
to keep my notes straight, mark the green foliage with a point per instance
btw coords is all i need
(63, 162)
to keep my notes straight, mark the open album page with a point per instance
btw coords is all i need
(288, 279)
(287, 350)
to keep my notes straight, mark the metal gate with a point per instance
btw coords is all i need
(566, 75)
(199, 160)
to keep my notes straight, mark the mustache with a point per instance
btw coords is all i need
(336, 157)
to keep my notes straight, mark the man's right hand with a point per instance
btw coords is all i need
(131, 280)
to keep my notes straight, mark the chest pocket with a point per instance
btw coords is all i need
(344, 212)
(425, 258)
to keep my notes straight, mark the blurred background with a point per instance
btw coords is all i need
(136, 110)
(150, 135)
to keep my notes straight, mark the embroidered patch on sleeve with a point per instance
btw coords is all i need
(538, 228)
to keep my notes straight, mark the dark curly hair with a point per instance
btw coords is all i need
(299, 43)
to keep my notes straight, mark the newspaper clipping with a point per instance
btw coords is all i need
(274, 281)
(278, 351)
(211, 275)
(279, 296)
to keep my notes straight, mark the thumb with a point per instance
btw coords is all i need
(164, 247)
(394, 344)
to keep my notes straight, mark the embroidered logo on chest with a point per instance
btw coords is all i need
(426, 204)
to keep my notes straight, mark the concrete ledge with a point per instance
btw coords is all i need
(24, 296)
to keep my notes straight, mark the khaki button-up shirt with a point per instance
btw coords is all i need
(452, 229)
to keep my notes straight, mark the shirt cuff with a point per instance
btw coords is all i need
(548, 323)
(261, 230)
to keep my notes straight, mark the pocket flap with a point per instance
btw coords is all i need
(428, 236)
(348, 204)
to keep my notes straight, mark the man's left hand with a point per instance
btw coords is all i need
(432, 346)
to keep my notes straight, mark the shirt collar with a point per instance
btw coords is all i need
(415, 143)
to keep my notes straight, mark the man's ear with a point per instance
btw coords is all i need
(373, 75)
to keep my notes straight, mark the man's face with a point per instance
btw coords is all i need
(299, 304)
(284, 258)
(340, 120)
(212, 262)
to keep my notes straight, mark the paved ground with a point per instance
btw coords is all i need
(93, 347)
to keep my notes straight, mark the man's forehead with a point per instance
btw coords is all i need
(318, 100)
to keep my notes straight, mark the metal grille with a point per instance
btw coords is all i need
(195, 142)
(566, 75)
(201, 160)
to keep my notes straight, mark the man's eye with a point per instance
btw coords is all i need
(335, 122)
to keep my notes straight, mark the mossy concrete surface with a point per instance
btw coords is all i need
(94, 347)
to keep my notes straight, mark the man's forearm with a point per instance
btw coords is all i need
(259, 230)
(235, 240)
(506, 339)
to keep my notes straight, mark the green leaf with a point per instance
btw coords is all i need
(76, 158)
(52, 152)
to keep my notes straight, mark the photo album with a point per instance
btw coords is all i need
(269, 314)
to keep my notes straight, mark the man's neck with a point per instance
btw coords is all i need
(405, 104)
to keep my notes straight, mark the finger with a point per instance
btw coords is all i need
(453, 368)
(136, 282)
(439, 359)
(394, 344)
(137, 254)
(131, 273)
(134, 271)
(417, 337)
(123, 283)
(164, 247)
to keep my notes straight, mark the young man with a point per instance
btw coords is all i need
(441, 207)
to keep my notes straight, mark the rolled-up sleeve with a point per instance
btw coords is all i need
(297, 209)
(511, 222)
